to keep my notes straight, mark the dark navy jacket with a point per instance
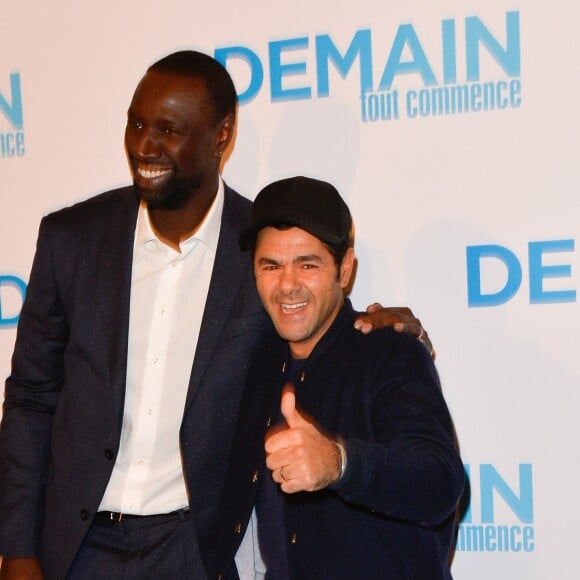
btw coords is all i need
(392, 514)
(64, 398)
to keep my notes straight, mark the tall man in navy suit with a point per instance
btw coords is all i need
(133, 345)
(363, 474)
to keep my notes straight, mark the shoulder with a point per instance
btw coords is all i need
(381, 337)
(235, 217)
(99, 208)
(236, 201)
(393, 352)
(106, 220)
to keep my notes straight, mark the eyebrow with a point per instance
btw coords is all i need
(297, 260)
(308, 258)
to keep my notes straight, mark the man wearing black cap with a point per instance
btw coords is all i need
(363, 473)
(140, 320)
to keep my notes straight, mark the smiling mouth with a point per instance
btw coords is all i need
(149, 173)
(290, 308)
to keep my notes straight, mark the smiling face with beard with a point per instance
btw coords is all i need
(172, 139)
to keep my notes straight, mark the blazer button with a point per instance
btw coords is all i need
(293, 538)
(109, 454)
(268, 422)
(238, 528)
(255, 476)
(84, 515)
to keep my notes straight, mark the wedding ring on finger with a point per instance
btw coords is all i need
(282, 473)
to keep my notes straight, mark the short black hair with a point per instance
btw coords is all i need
(194, 64)
(338, 251)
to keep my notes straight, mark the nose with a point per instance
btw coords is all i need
(142, 143)
(288, 280)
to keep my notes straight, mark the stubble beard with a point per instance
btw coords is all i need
(173, 196)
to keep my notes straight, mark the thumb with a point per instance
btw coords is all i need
(288, 407)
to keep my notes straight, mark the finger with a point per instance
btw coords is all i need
(280, 442)
(416, 329)
(362, 326)
(288, 407)
(428, 345)
(291, 487)
(374, 307)
(278, 453)
(287, 483)
(282, 475)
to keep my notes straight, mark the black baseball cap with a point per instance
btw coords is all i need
(306, 203)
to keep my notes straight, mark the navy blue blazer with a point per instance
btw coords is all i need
(63, 409)
(392, 514)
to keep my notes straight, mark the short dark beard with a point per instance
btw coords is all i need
(175, 196)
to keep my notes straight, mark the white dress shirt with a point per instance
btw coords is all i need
(168, 294)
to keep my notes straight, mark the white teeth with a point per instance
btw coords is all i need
(293, 306)
(151, 173)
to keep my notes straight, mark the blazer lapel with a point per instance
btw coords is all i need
(114, 257)
(230, 267)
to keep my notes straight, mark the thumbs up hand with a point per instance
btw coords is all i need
(300, 457)
(288, 408)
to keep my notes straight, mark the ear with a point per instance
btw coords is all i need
(224, 134)
(346, 267)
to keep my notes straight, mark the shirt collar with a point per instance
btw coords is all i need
(207, 233)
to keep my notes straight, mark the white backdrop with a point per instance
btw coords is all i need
(428, 184)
